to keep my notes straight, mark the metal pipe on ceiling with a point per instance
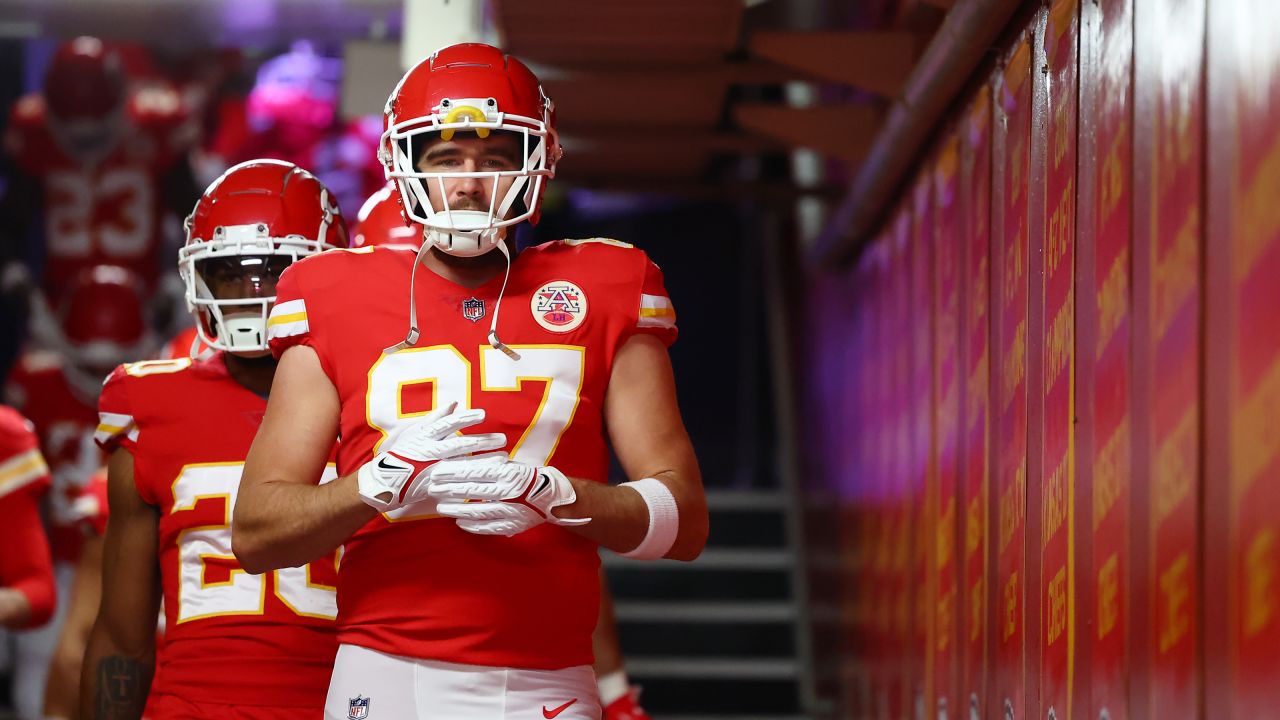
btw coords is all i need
(955, 51)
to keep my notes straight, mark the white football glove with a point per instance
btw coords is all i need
(506, 498)
(400, 474)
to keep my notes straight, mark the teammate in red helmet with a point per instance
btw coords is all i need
(236, 645)
(382, 222)
(100, 323)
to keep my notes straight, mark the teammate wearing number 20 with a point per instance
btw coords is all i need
(236, 645)
(468, 585)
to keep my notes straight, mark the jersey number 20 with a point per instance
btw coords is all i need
(241, 593)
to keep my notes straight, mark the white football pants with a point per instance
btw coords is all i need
(369, 685)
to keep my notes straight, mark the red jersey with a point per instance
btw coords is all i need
(25, 564)
(412, 583)
(112, 212)
(230, 637)
(21, 465)
(64, 420)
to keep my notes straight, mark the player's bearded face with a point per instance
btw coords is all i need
(468, 153)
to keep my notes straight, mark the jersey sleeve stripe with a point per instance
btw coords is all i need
(21, 470)
(286, 319)
(662, 321)
(656, 311)
(656, 302)
(112, 425)
(289, 307)
(289, 329)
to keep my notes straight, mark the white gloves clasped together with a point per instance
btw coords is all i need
(469, 476)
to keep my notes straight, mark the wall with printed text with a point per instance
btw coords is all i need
(1049, 388)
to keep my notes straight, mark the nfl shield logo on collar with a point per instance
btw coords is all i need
(472, 309)
(359, 708)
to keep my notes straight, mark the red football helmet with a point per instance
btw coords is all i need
(381, 223)
(85, 91)
(103, 323)
(477, 88)
(249, 225)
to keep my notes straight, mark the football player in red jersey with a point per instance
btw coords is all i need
(102, 162)
(26, 572)
(99, 323)
(236, 645)
(382, 222)
(469, 585)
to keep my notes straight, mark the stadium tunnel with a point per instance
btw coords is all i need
(977, 303)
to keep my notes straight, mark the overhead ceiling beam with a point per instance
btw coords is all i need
(646, 139)
(946, 65)
(840, 131)
(781, 192)
(878, 62)
(746, 72)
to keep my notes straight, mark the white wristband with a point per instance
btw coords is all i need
(664, 519)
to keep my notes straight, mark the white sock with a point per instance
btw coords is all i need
(613, 685)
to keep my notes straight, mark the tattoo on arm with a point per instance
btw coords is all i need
(123, 683)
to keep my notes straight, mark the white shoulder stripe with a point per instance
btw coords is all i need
(656, 311)
(658, 321)
(288, 329)
(112, 425)
(289, 307)
(655, 302)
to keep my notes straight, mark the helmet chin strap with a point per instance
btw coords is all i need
(497, 308)
(414, 334)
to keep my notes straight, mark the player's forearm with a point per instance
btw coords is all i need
(115, 680)
(62, 689)
(620, 517)
(282, 524)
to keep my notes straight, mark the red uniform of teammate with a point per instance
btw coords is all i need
(107, 161)
(101, 323)
(230, 637)
(26, 573)
(236, 645)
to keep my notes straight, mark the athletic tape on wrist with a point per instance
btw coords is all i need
(664, 519)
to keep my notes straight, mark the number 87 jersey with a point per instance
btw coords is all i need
(230, 637)
(412, 583)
